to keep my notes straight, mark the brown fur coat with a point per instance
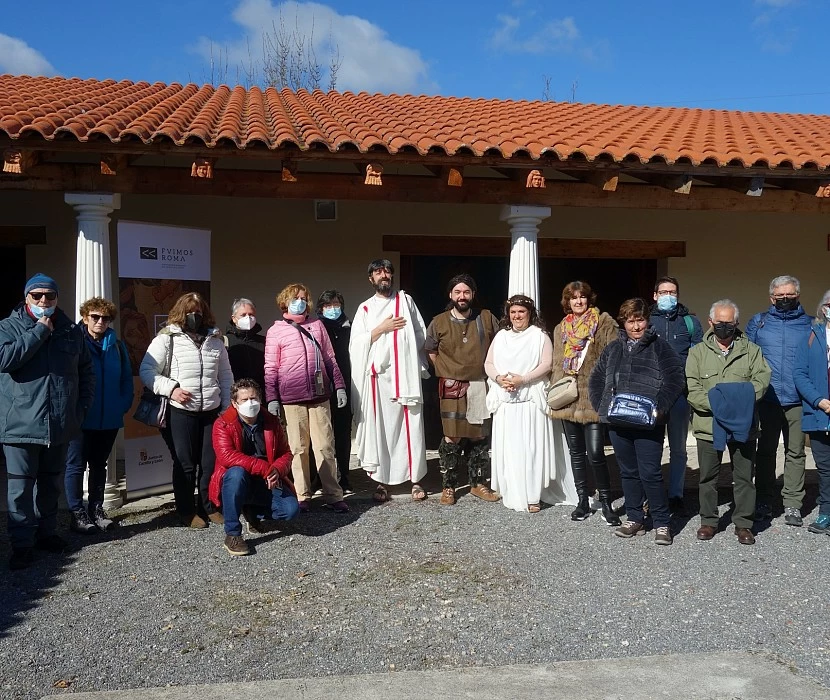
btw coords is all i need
(580, 411)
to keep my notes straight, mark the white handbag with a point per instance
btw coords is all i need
(562, 392)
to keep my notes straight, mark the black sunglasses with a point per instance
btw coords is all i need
(99, 317)
(51, 296)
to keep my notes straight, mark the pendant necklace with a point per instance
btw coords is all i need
(466, 322)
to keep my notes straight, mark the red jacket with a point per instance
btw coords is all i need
(227, 444)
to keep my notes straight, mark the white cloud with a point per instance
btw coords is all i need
(369, 59)
(18, 58)
(556, 36)
(769, 27)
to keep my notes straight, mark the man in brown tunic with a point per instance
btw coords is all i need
(457, 342)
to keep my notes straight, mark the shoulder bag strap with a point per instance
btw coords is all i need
(318, 351)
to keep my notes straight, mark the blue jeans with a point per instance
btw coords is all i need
(678, 430)
(639, 454)
(240, 488)
(33, 515)
(91, 448)
(820, 443)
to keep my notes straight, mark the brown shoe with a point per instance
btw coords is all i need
(485, 493)
(745, 535)
(216, 518)
(196, 522)
(706, 532)
(236, 545)
(630, 529)
(447, 497)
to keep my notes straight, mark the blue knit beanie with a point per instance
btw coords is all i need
(40, 281)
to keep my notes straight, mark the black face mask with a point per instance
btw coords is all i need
(193, 321)
(786, 304)
(724, 331)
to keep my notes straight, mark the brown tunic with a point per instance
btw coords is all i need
(457, 359)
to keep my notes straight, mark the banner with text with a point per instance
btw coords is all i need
(156, 265)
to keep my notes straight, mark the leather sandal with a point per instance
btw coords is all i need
(381, 494)
(418, 493)
(533, 508)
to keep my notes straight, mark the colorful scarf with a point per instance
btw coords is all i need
(577, 331)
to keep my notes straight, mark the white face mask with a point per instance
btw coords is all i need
(826, 313)
(246, 323)
(249, 408)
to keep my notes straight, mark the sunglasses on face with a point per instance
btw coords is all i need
(51, 296)
(98, 317)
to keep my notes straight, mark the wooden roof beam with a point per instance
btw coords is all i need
(680, 184)
(605, 179)
(749, 186)
(816, 188)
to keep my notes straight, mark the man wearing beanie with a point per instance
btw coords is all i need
(47, 384)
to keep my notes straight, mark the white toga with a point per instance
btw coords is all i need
(386, 390)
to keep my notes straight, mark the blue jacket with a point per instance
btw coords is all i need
(671, 327)
(46, 379)
(113, 383)
(733, 412)
(779, 335)
(810, 376)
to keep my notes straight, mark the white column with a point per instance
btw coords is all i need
(524, 260)
(93, 278)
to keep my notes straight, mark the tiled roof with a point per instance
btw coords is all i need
(119, 112)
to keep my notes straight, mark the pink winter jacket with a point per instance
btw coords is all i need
(290, 363)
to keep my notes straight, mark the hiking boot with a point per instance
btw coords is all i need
(792, 516)
(253, 525)
(80, 522)
(99, 517)
(630, 529)
(21, 558)
(339, 507)
(582, 510)
(236, 545)
(216, 518)
(485, 493)
(821, 525)
(51, 543)
(447, 496)
(763, 512)
(662, 535)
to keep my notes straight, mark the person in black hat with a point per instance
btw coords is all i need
(47, 384)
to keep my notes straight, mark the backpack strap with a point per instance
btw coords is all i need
(690, 326)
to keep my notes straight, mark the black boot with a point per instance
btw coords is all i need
(582, 510)
(608, 514)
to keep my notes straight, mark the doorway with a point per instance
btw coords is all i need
(13, 278)
(425, 278)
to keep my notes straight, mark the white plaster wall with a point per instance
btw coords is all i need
(260, 245)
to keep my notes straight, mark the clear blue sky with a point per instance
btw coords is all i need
(764, 55)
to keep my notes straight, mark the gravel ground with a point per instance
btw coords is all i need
(399, 586)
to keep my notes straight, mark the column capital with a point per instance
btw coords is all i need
(510, 212)
(104, 200)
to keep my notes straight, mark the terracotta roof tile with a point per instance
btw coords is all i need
(54, 108)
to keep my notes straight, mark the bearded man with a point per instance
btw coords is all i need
(457, 343)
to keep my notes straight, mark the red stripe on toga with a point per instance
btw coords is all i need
(408, 441)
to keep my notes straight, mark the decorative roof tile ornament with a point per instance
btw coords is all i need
(13, 161)
(535, 179)
(202, 168)
(374, 173)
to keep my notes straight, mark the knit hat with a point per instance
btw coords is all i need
(40, 281)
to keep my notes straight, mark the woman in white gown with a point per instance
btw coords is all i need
(530, 462)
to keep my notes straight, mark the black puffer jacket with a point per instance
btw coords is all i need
(651, 368)
(246, 351)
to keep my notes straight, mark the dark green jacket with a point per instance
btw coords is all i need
(47, 382)
(706, 366)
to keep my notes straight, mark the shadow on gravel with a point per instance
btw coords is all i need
(21, 591)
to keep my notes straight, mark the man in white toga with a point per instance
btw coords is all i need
(388, 363)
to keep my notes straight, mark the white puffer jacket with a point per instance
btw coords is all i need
(205, 372)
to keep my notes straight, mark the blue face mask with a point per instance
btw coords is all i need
(297, 306)
(332, 312)
(40, 312)
(666, 302)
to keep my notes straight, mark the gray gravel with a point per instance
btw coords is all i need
(401, 586)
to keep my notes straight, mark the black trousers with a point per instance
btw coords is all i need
(586, 445)
(189, 436)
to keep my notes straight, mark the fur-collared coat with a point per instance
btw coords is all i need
(580, 411)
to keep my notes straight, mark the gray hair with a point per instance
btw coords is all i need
(721, 303)
(781, 280)
(820, 317)
(239, 303)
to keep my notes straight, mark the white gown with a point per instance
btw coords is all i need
(386, 391)
(530, 459)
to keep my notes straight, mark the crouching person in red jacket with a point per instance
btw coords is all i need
(253, 464)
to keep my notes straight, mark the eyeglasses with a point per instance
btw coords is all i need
(99, 317)
(785, 296)
(666, 292)
(37, 296)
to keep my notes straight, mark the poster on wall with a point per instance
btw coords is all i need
(156, 265)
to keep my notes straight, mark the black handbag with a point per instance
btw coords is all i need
(152, 408)
(631, 410)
